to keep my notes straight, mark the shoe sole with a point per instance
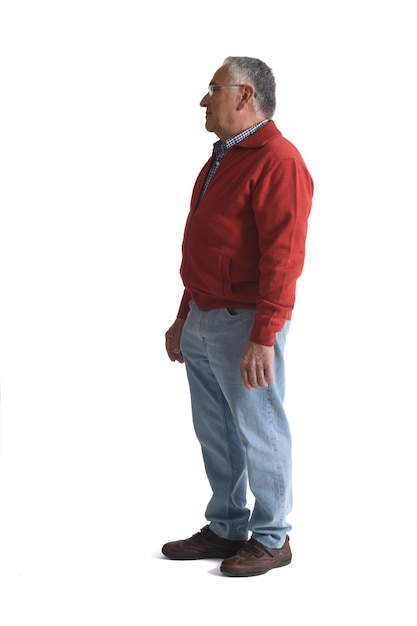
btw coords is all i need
(197, 557)
(236, 574)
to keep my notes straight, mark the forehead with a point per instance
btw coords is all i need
(221, 75)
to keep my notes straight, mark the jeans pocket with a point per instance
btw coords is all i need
(235, 311)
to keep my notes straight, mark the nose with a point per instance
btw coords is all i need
(204, 101)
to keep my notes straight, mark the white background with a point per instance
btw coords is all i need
(101, 139)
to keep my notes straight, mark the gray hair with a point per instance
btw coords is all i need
(248, 70)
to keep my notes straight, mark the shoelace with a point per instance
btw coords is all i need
(254, 549)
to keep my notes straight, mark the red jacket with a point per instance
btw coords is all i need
(244, 242)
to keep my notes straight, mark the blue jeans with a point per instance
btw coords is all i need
(244, 435)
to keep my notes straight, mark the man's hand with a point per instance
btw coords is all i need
(256, 365)
(172, 340)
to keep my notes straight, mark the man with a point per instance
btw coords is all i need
(243, 250)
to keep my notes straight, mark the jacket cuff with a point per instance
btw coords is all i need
(266, 336)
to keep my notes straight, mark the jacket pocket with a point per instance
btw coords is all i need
(225, 271)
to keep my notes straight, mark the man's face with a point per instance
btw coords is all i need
(221, 107)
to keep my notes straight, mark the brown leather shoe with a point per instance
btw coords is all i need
(255, 559)
(203, 545)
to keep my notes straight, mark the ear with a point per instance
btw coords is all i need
(246, 96)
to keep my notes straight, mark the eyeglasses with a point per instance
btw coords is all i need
(213, 88)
